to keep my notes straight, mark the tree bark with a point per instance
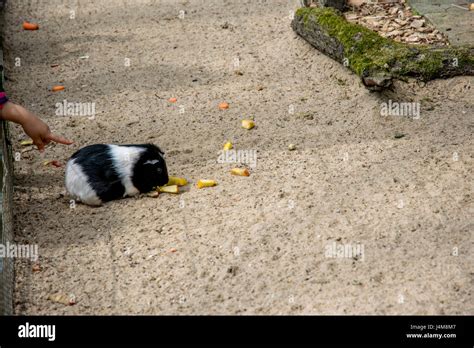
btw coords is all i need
(375, 59)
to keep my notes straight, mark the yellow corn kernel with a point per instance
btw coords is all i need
(174, 180)
(169, 189)
(228, 146)
(240, 171)
(206, 183)
(248, 124)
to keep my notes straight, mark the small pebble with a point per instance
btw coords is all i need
(153, 194)
(292, 147)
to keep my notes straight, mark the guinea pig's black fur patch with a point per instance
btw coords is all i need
(96, 162)
(145, 176)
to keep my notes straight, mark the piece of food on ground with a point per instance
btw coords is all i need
(26, 142)
(30, 26)
(169, 189)
(228, 146)
(223, 106)
(174, 180)
(240, 171)
(248, 124)
(54, 163)
(173, 100)
(206, 183)
(57, 88)
(64, 299)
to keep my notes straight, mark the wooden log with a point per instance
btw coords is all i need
(375, 59)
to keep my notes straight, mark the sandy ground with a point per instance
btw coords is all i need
(255, 245)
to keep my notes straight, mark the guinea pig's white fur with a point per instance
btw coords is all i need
(124, 159)
(77, 185)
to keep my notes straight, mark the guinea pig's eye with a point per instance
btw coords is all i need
(159, 170)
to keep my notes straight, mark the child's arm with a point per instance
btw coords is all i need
(36, 129)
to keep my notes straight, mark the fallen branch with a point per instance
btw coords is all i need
(375, 59)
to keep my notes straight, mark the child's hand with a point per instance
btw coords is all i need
(40, 133)
(36, 129)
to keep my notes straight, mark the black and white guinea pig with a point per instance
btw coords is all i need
(101, 173)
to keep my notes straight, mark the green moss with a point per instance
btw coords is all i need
(367, 51)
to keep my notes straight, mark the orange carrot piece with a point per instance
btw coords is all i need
(30, 26)
(57, 88)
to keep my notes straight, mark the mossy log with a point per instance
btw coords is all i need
(375, 59)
